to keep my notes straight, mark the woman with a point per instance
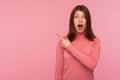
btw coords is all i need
(78, 53)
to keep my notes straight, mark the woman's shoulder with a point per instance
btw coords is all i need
(96, 40)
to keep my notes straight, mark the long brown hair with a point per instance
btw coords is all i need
(88, 30)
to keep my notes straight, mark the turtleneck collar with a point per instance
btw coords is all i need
(80, 35)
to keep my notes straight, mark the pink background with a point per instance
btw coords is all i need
(28, 39)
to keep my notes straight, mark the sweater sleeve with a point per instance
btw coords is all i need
(59, 62)
(90, 60)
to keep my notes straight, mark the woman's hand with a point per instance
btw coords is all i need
(64, 41)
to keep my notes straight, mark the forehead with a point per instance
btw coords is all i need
(79, 12)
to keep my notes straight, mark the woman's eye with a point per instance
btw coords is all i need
(83, 17)
(75, 16)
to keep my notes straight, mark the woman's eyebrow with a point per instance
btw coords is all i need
(76, 14)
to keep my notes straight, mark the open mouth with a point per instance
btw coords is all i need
(80, 26)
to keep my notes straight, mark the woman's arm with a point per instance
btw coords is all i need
(59, 62)
(90, 60)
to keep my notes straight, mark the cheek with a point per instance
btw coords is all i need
(85, 23)
(84, 20)
(75, 22)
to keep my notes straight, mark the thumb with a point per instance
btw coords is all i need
(67, 39)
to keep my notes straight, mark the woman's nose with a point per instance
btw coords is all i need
(80, 19)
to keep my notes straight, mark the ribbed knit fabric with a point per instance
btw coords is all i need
(78, 60)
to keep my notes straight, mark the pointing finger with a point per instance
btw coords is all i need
(60, 36)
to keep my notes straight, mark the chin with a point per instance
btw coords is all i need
(80, 31)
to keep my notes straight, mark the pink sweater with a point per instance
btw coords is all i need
(78, 60)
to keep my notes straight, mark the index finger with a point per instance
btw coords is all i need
(60, 36)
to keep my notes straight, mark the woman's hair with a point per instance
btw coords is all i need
(88, 30)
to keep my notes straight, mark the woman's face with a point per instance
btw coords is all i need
(79, 21)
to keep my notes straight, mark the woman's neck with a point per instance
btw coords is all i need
(80, 35)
